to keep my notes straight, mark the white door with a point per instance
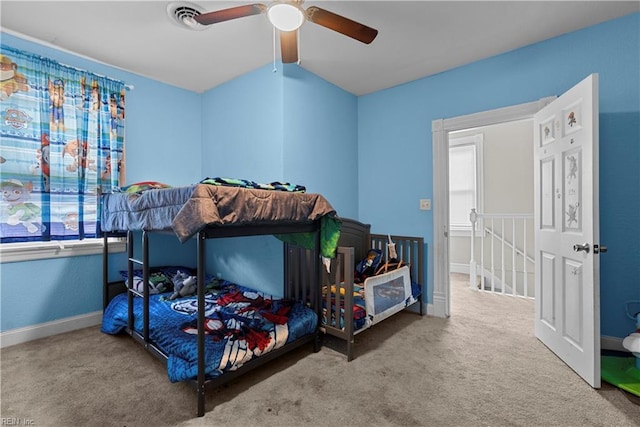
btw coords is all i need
(566, 228)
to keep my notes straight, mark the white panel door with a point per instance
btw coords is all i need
(566, 228)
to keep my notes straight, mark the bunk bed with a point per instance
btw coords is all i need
(350, 308)
(305, 222)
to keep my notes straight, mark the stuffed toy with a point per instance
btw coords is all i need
(368, 266)
(183, 285)
(158, 283)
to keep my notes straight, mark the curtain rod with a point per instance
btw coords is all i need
(50, 45)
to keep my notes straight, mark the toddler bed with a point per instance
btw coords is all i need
(349, 307)
(225, 329)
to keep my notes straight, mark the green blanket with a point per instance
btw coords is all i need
(330, 226)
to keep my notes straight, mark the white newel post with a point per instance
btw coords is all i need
(473, 217)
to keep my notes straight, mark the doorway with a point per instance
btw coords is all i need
(441, 130)
(491, 172)
(566, 214)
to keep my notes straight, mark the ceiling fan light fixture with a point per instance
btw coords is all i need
(285, 16)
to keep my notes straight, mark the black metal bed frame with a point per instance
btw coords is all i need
(302, 278)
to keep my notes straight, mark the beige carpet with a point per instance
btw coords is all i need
(481, 367)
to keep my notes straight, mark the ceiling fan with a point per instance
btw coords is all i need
(287, 16)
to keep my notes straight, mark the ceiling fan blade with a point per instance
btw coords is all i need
(289, 46)
(343, 25)
(231, 13)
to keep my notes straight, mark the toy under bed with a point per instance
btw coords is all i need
(240, 324)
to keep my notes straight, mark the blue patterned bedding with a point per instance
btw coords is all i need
(240, 325)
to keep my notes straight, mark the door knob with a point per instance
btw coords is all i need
(599, 249)
(583, 247)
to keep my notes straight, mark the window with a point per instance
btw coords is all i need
(465, 181)
(61, 145)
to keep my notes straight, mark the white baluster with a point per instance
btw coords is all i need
(514, 283)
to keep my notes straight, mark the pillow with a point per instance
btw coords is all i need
(160, 278)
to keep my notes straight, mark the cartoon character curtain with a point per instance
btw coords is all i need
(61, 143)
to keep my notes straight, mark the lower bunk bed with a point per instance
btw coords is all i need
(240, 324)
(225, 329)
(353, 303)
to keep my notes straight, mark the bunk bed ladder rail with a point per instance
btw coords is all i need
(132, 292)
(410, 250)
(110, 289)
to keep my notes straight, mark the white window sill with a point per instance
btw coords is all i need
(30, 251)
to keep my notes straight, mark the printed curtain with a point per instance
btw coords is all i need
(61, 144)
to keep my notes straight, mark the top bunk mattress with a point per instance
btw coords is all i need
(187, 210)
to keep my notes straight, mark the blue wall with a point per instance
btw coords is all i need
(292, 125)
(396, 124)
(242, 128)
(320, 140)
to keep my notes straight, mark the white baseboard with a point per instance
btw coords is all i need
(30, 333)
(430, 309)
(438, 307)
(612, 343)
(456, 267)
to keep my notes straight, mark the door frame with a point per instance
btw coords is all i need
(440, 128)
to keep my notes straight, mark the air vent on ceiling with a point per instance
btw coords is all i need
(183, 13)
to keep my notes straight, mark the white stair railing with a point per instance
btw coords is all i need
(503, 240)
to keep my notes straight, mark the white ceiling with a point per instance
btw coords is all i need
(416, 38)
